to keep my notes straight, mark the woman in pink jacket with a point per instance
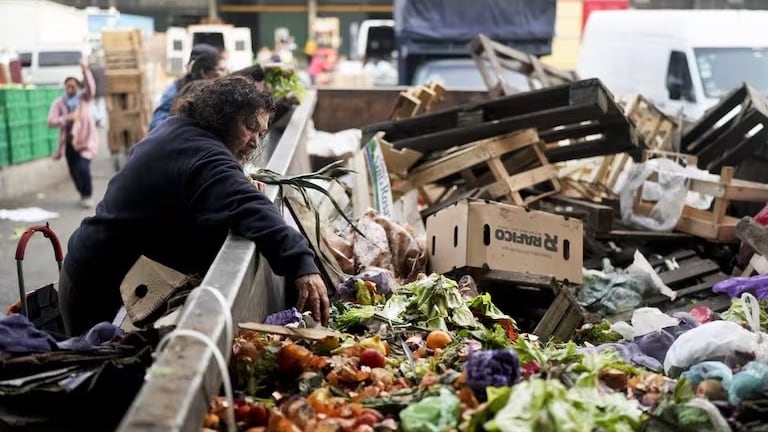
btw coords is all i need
(77, 139)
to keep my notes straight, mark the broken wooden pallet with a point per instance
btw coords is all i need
(713, 224)
(413, 102)
(582, 113)
(724, 136)
(489, 152)
(493, 59)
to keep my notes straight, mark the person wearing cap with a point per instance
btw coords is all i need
(169, 95)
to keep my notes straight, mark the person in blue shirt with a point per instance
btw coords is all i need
(163, 109)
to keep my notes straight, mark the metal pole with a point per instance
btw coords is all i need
(213, 10)
(311, 15)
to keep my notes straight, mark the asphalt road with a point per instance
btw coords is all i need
(39, 264)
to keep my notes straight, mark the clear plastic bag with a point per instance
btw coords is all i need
(671, 195)
(716, 339)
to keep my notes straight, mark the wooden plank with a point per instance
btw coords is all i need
(689, 270)
(512, 278)
(555, 314)
(474, 154)
(522, 181)
(717, 303)
(315, 334)
(599, 217)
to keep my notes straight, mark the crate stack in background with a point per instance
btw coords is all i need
(128, 102)
(24, 131)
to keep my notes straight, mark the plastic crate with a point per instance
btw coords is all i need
(17, 117)
(40, 149)
(19, 134)
(5, 156)
(53, 144)
(39, 134)
(13, 98)
(20, 152)
(39, 114)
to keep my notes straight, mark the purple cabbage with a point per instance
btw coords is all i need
(493, 368)
(346, 290)
(285, 317)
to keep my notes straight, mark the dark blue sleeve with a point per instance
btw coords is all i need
(163, 110)
(218, 192)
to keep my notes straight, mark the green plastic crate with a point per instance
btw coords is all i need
(19, 134)
(40, 149)
(13, 98)
(39, 134)
(39, 114)
(38, 97)
(53, 144)
(20, 152)
(5, 156)
(17, 117)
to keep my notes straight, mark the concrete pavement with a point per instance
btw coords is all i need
(39, 264)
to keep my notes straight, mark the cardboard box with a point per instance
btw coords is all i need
(479, 234)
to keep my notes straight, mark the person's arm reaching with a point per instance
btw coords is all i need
(89, 84)
(219, 193)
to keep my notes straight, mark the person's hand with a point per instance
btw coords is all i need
(73, 116)
(262, 187)
(84, 63)
(314, 296)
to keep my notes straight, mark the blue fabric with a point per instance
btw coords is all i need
(19, 336)
(710, 370)
(163, 110)
(72, 101)
(100, 335)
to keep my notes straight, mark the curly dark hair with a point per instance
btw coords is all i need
(254, 72)
(220, 106)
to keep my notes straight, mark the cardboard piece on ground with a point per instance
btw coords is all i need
(361, 195)
(147, 287)
(478, 234)
(407, 210)
(296, 333)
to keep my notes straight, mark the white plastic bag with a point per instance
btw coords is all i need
(644, 321)
(709, 341)
(641, 268)
(672, 196)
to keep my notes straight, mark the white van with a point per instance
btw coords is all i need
(50, 65)
(685, 59)
(236, 41)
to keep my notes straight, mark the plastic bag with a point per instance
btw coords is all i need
(431, 414)
(762, 217)
(735, 287)
(751, 381)
(672, 196)
(644, 320)
(621, 291)
(709, 341)
(710, 370)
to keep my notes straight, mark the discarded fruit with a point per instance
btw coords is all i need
(211, 421)
(372, 358)
(438, 339)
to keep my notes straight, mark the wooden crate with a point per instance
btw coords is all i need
(120, 140)
(712, 224)
(489, 152)
(120, 60)
(127, 119)
(412, 102)
(125, 101)
(122, 40)
(125, 81)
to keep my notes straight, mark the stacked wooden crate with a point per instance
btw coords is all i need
(128, 101)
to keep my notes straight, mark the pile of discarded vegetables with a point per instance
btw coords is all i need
(434, 356)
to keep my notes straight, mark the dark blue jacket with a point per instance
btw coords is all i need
(174, 202)
(163, 110)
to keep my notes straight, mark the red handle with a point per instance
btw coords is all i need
(21, 248)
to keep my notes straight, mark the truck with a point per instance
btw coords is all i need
(236, 41)
(679, 59)
(431, 30)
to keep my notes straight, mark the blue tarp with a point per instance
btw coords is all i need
(100, 21)
(462, 20)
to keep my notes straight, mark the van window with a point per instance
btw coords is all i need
(723, 69)
(58, 58)
(26, 59)
(214, 39)
(679, 82)
(178, 45)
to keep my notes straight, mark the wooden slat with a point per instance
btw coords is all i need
(688, 270)
(316, 334)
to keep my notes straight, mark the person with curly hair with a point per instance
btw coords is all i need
(180, 193)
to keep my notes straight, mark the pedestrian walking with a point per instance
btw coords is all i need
(72, 113)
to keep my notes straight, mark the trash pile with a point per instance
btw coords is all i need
(431, 355)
